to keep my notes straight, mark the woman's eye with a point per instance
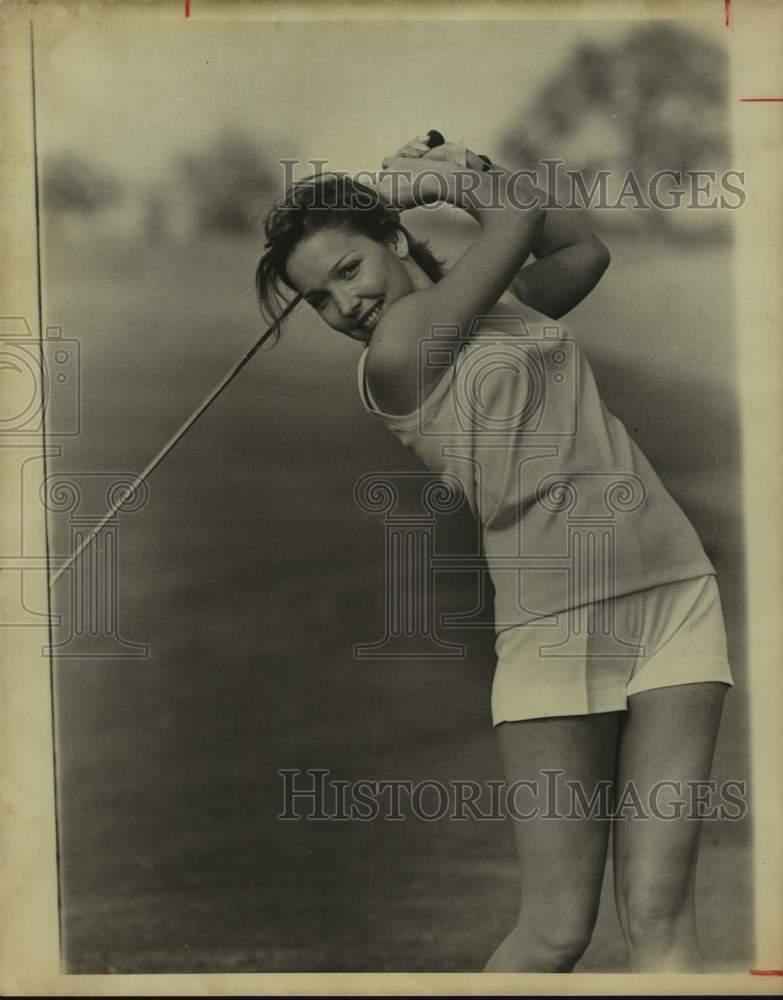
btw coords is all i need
(350, 269)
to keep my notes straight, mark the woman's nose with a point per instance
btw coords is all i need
(348, 304)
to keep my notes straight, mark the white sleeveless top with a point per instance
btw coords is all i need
(571, 510)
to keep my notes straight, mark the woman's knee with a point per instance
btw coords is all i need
(652, 916)
(558, 939)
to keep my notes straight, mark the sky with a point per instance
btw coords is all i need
(132, 97)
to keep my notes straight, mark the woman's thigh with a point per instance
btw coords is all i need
(668, 736)
(561, 859)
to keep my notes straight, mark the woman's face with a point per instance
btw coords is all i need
(348, 278)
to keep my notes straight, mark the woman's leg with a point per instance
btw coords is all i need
(668, 735)
(561, 860)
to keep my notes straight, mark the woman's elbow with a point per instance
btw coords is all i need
(600, 256)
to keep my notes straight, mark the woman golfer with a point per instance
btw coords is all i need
(612, 664)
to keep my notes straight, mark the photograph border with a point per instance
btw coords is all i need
(29, 931)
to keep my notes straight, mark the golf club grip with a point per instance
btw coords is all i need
(434, 138)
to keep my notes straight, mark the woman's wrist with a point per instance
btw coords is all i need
(439, 182)
(481, 193)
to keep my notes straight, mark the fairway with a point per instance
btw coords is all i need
(251, 573)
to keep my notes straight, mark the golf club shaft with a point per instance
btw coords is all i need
(434, 139)
(180, 433)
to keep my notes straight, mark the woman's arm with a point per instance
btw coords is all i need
(570, 258)
(471, 288)
(560, 279)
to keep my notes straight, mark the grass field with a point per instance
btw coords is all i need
(250, 573)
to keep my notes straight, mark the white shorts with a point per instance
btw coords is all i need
(591, 659)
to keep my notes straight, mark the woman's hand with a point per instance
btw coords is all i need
(415, 148)
(408, 181)
(417, 175)
(418, 148)
(455, 153)
(570, 257)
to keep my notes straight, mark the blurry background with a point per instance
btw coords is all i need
(250, 573)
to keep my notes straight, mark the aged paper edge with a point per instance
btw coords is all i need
(29, 937)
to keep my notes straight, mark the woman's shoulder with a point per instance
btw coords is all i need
(397, 367)
(410, 351)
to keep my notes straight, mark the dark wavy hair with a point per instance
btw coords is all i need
(317, 203)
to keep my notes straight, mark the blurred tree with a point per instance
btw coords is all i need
(227, 184)
(656, 101)
(71, 185)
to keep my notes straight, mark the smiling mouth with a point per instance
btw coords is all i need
(371, 317)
